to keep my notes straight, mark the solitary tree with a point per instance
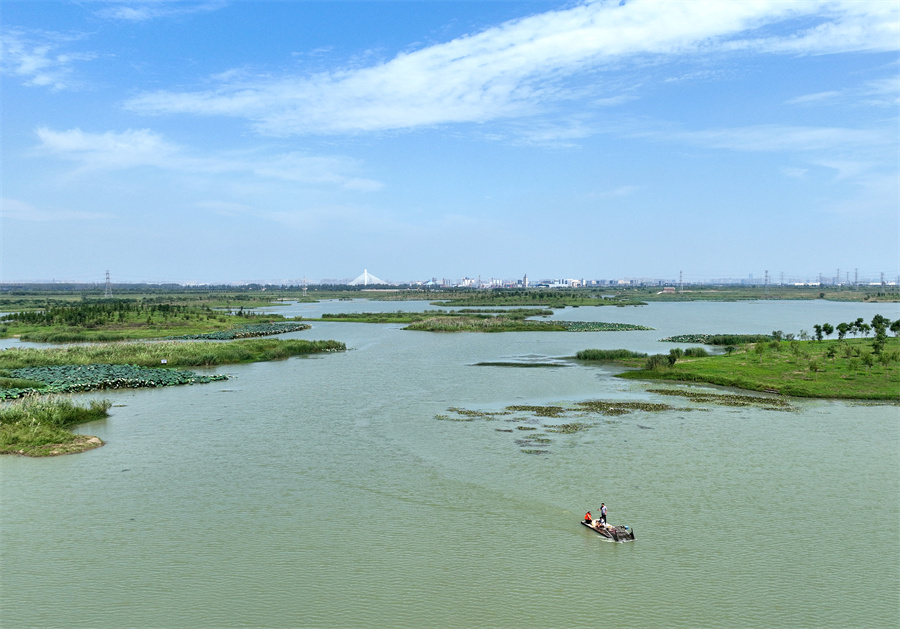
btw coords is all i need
(818, 329)
(842, 329)
(827, 328)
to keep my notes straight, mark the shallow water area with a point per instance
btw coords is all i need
(323, 492)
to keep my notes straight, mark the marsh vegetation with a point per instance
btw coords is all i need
(39, 426)
(119, 319)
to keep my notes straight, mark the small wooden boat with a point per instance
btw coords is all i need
(612, 533)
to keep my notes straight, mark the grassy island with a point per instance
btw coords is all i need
(122, 319)
(38, 426)
(132, 365)
(847, 369)
(506, 324)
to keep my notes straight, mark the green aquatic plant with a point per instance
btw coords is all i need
(249, 330)
(81, 378)
(719, 339)
(540, 411)
(567, 429)
(727, 399)
(621, 407)
(454, 419)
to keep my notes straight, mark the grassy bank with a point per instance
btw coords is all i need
(170, 354)
(38, 426)
(847, 369)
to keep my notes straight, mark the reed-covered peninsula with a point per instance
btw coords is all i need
(39, 426)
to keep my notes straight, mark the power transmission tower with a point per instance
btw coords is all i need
(107, 291)
(680, 282)
(766, 284)
(304, 286)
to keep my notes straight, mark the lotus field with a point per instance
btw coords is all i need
(81, 378)
(246, 331)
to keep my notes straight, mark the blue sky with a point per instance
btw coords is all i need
(269, 141)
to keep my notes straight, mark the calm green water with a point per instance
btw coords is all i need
(322, 492)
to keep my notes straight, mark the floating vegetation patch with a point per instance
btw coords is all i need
(567, 429)
(538, 434)
(473, 414)
(727, 399)
(600, 326)
(519, 364)
(455, 419)
(718, 339)
(531, 451)
(540, 411)
(621, 407)
(246, 331)
(80, 378)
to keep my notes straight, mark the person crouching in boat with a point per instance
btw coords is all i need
(588, 518)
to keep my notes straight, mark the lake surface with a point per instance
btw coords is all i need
(323, 492)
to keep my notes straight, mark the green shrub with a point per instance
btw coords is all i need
(608, 354)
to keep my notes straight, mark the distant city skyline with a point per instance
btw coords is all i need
(215, 141)
(485, 281)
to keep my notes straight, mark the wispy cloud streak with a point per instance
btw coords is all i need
(39, 59)
(136, 148)
(518, 67)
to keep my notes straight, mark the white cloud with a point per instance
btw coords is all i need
(37, 58)
(779, 138)
(818, 97)
(13, 209)
(136, 148)
(517, 67)
(138, 11)
(794, 172)
(884, 92)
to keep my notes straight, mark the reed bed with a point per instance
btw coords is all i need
(167, 353)
(608, 354)
(38, 426)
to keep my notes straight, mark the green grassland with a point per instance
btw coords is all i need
(846, 369)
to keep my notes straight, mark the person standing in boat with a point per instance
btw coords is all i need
(603, 512)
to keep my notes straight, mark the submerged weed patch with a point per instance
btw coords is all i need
(727, 399)
(538, 434)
